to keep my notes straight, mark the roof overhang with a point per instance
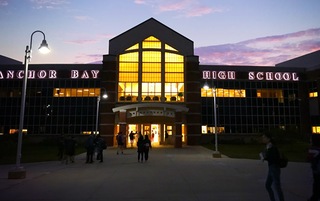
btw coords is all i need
(174, 107)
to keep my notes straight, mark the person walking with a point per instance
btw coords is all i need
(271, 154)
(89, 145)
(314, 159)
(100, 146)
(140, 145)
(147, 146)
(131, 137)
(70, 148)
(120, 141)
(61, 143)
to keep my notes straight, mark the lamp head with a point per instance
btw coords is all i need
(206, 86)
(104, 96)
(44, 48)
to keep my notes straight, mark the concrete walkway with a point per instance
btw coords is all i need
(187, 174)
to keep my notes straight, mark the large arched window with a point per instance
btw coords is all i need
(151, 71)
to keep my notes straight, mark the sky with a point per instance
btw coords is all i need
(224, 32)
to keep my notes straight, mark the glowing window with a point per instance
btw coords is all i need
(128, 77)
(151, 67)
(168, 47)
(313, 94)
(151, 56)
(134, 47)
(128, 67)
(172, 57)
(151, 77)
(151, 42)
(174, 77)
(76, 92)
(174, 67)
(271, 93)
(220, 92)
(129, 57)
(316, 129)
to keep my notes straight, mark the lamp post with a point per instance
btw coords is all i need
(216, 153)
(19, 172)
(104, 96)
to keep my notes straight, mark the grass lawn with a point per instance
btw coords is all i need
(295, 151)
(31, 152)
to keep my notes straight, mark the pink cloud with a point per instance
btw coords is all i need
(49, 4)
(173, 6)
(186, 8)
(199, 11)
(3, 3)
(265, 51)
(82, 18)
(82, 41)
(89, 58)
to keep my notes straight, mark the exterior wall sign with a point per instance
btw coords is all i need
(48, 74)
(231, 75)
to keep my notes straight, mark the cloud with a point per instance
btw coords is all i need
(48, 4)
(90, 40)
(186, 8)
(82, 41)
(82, 18)
(3, 3)
(264, 51)
(89, 58)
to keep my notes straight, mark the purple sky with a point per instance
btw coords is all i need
(228, 32)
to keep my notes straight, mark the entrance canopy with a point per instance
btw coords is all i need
(142, 106)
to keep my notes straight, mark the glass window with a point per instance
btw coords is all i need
(151, 42)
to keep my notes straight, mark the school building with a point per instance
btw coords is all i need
(155, 84)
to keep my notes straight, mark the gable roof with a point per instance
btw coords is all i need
(309, 61)
(8, 61)
(150, 27)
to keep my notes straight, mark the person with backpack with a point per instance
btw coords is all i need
(100, 146)
(120, 141)
(271, 154)
(147, 146)
(314, 159)
(131, 136)
(140, 145)
(89, 145)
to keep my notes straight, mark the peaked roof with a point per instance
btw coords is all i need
(150, 27)
(309, 61)
(8, 61)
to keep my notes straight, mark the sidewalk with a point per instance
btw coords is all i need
(187, 174)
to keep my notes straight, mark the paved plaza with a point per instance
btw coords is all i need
(186, 174)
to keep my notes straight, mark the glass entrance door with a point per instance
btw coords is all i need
(153, 132)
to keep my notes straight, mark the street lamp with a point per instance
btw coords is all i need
(104, 96)
(19, 172)
(216, 153)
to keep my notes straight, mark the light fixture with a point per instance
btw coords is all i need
(206, 86)
(44, 48)
(19, 172)
(216, 153)
(104, 96)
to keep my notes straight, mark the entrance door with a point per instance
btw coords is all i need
(153, 132)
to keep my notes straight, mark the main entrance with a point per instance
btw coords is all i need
(156, 133)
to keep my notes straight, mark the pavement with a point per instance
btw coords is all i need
(187, 174)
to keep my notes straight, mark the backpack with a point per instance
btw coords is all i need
(283, 160)
(119, 138)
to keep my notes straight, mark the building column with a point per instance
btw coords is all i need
(178, 130)
(108, 77)
(123, 124)
(193, 100)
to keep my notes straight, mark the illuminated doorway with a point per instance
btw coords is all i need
(153, 131)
